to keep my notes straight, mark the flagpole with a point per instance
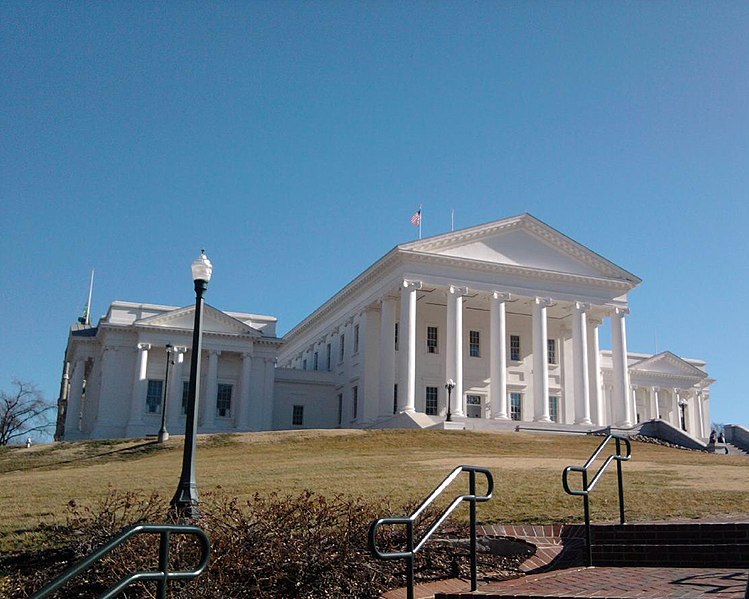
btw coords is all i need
(88, 305)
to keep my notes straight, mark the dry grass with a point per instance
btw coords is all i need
(399, 466)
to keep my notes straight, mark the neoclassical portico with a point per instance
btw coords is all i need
(510, 311)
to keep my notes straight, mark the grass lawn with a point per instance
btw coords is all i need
(394, 467)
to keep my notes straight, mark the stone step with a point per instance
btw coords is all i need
(672, 534)
(687, 555)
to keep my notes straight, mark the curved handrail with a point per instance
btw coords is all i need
(163, 576)
(409, 521)
(587, 486)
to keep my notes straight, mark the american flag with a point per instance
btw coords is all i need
(416, 218)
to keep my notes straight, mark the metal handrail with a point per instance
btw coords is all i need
(587, 487)
(414, 547)
(163, 576)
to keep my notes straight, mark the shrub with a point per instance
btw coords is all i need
(304, 546)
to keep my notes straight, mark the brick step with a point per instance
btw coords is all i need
(696, 555)
(668, 534)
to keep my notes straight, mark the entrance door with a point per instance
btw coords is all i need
(473, 406)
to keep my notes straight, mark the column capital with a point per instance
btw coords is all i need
(458, 291)
(144, 346)
(410, 284)
(582, 306)
(545, 302)
(595, 322)
(180, 349)
(502, 296)
(247, 354)
(214, 352)
(620, 312)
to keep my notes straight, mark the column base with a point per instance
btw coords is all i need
(542, 419)
(501, 417)
(584, 422)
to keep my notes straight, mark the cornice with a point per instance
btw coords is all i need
(522, 271)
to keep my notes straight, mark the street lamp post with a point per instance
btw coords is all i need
(185, 501)
(682, 413)
(163, 433)
(449, 386)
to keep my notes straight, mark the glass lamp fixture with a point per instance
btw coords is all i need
(202, 269)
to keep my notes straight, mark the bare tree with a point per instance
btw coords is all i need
(23, 411)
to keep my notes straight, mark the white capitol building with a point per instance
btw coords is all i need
(509, 312)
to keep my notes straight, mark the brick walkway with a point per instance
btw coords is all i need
(610, 583)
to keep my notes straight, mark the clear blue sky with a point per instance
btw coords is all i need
(294, 140)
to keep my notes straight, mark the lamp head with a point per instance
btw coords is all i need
(202, 269)
(450, 384)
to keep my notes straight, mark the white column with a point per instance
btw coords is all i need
(622, 405)
(676, 410)
(633, 395)
(653, 401)
(700, 413)
(268, 386)
(580, 362)
(595, 383)
(540, 361)
(498, 355)
(454, 345)
(387, 356)
(138, 396)
(243, 409)
(211, 390)
(73, 410)
(407, 378)
(174, 401)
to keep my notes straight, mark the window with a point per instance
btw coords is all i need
(185, 395)
(304, 364)
(516, 406)
(395, 398)
(328, 350)
(474, 344)
(554, 408)
(355, 401)
(473, 406)
(431, 340)
(340, 409)
(153, 396)
(431, 401)
(515, 348)
(356, 338)
(223, 401)
(396, 335)
(551, 345)
(314, 361)
(297, 416)
(342, 348)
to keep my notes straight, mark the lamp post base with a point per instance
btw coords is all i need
(163, 436)
(185, 502)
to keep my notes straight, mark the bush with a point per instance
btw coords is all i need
(305, 546)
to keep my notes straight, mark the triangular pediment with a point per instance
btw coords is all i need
(524, 242)
(214, 321)
(667, 363)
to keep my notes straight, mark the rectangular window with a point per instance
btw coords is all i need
(473, 406)
(315, 363)
(431, 340)
(554, 408)
(515, 348)
(185, 395)
(340, 409)
(153, 396)
(304, 364)
(297, 416)
(474, 344)
(342, 349)
(431, 401)
(356, 338)
(516, 406)
(330, 362)
(551, 345)
(355, 401)
(223, 401)
(396, 335)
(395, 398)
